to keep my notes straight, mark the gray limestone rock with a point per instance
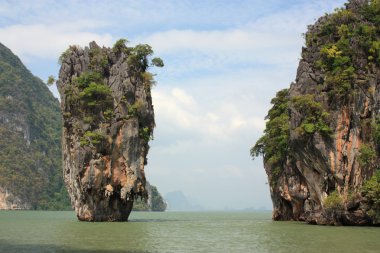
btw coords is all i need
(108, 122)
(319, 165)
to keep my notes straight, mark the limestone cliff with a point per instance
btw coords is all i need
(108, 122)
(321, 143)
(30, 140)
(155, 201)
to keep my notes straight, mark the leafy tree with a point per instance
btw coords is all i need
(51, 80)
(87, 77)
(274, 144)
(315, 118)
(96, 95)
(376, 134)
(119, 46)
(371, 191)
(367, 155)
(334, 201)
(145, 133)
(138, 58)
(158, 62)
(93, 138)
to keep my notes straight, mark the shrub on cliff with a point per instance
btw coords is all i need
(371, 191)
(376, 134)
(273, 145)
(334, 202)
(367, 155)
(315, 117)
(349, 46)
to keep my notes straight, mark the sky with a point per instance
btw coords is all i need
(224, 61)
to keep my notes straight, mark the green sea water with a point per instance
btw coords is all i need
(40, 231)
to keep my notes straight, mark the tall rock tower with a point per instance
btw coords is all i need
(321, 145)
(108, 121)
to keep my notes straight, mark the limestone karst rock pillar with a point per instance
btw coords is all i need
(108, 122)
(322, 139)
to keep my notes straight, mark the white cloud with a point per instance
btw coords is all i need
(180, 110)
(190, 62)
(228, 172)
(262, 34)
(182, 97)
(49, 41)
(214, 50)
(273, 40)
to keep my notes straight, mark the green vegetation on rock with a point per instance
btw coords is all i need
(367, 155)
(315, 117)
(108, 123)
(96, 95)
(30, 133)
(93, 97)
(274, 144)
(371, 191)
(334, 201)
(158, 203)
(88, 77)
(349, 42)
(138, 56)
(376, 132)
(93, 138)
(325, 130)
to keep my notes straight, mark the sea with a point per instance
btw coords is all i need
(55, 231)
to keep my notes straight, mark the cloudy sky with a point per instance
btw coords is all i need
(224, 61)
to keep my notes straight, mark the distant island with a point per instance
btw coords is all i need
(177, 201)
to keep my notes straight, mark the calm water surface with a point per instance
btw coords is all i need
(29, 231)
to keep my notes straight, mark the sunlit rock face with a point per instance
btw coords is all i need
(108, 122)
(9, 202)
(333, 111)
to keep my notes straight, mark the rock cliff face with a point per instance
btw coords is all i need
(321, 143)
(108, 121)
(30, 134)
(155, 201)
(10, 202)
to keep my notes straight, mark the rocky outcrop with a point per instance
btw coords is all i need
(155, 202)
(30, 134)
(333, 114)
(108, 122)
(10, 202)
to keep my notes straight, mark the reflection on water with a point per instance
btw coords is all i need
(23, 231)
